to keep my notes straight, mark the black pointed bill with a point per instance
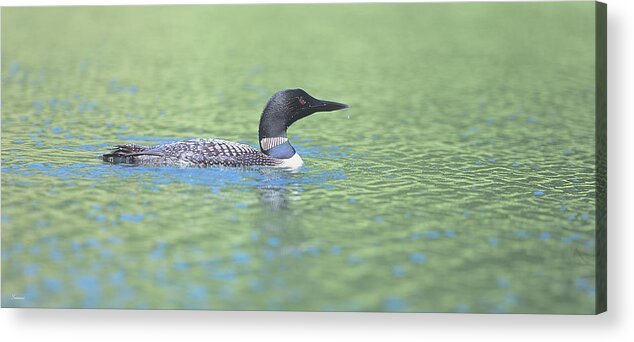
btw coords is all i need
(328, 106)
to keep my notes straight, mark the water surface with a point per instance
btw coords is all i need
(461, 179)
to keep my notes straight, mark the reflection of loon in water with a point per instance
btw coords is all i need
(276, 198)
(281, 111)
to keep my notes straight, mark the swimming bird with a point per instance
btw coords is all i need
(281, 111)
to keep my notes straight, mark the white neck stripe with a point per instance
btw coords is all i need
(269, 143)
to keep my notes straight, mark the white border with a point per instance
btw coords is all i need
(615, 325)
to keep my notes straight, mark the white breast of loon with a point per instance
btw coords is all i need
(294, 162)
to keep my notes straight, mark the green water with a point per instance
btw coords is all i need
(461, 178)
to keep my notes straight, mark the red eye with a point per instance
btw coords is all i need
(302, 101)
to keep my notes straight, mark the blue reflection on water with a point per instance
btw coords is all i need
(56, 255)
(181, 266)
(418, 258)
(92, 243)
(295, 252)
(53, 284)
(132, 218)
(393, 303)
(268, 254)
(432, 234)
(198, 293)
(30, 270)
(224, 274)
(35, 250)
(463, 308)
(313, 251)
(354, 260)
(273, 241)
(503, 282)
(32, 292)
(91, 287)
(117, 278)
(335, 250)
(159, 251)
(241, 257)
(398, 271)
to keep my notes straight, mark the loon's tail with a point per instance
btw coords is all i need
(124, 154)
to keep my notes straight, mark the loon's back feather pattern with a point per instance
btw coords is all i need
(193, 152)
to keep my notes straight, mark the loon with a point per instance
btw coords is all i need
(282, 110)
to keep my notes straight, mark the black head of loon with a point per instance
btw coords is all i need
(283, 109)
